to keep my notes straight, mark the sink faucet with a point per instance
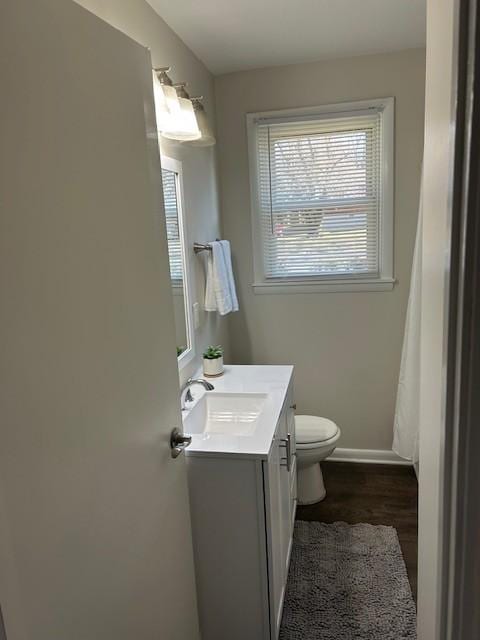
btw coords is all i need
(208, 386)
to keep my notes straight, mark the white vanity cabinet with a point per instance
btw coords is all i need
(243, 511)
(279, 472)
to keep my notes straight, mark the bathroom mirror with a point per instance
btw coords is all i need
(172, 181)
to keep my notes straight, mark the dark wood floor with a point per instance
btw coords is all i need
(372, 493)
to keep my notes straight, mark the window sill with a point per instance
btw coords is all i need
(334, 286)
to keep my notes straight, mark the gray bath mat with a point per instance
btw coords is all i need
(347, 582)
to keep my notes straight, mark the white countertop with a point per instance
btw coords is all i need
(272, 380)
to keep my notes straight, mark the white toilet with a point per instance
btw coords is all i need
(316, 439)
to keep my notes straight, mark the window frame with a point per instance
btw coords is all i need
(188, 286)
(167, 164)
(385, 280)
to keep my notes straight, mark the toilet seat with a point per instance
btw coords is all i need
(312, 432)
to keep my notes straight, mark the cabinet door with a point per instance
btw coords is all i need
(286, 462)
(290, 413)
(273, 473)
(280, 510)
(288, 477)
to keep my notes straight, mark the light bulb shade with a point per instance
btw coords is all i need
(207, 138)
(162, 110)
(172, 102)
(175, 116)
(186, 127)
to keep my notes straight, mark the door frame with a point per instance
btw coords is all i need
(459, 593)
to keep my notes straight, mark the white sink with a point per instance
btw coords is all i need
(236, 414)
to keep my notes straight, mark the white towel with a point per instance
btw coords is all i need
(220, 293)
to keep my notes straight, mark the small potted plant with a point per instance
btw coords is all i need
(213, 361)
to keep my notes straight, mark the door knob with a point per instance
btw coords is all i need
(179, 442)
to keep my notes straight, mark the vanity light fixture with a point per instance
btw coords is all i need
(188, 129)
(167, 107)
(174, 111)
(207, 138)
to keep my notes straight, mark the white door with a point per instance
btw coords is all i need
(95, 540)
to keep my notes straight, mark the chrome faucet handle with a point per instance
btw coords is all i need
(208, 386)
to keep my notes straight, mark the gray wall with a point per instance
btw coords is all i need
(138, 20)
(345, 346)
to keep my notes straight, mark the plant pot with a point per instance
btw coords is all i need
(213, 367)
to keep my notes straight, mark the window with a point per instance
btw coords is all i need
(322, 197)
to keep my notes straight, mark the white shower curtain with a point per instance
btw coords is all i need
(407, 418)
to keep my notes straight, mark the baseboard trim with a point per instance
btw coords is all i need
(371, 456)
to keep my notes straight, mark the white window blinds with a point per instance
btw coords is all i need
(319, 195)
(169, 180)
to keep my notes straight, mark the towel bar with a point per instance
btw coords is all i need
(198, 247)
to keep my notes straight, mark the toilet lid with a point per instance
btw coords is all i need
(310, 429)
